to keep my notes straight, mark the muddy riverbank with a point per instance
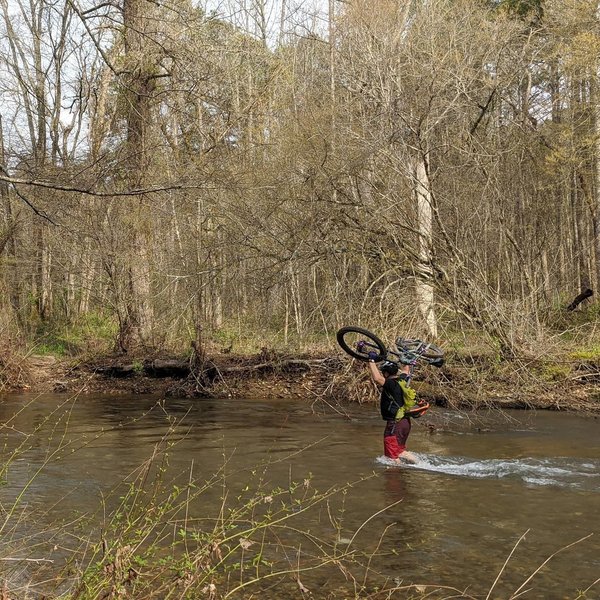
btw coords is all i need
(325, 377)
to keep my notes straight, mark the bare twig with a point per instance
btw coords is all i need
(516, 593)
(504, 565)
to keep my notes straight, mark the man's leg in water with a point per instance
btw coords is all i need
(402, 432)
(407, 457)
(394, 442)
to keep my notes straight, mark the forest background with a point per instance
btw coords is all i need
(257, 173)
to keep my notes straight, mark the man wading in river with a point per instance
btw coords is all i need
(393, 405)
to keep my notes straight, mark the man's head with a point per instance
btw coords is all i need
(389, 369)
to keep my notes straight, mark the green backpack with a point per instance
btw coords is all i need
(410, 399)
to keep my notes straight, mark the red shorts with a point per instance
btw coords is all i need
(395, 437)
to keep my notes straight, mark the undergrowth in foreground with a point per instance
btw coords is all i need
(147, 539)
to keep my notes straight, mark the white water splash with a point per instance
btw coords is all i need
(558, 471)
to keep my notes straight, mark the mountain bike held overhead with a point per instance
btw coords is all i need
(393, 370)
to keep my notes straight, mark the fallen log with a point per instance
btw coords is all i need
(167, 368)
(283, 366)
(152, 368)
(180, 369)
(286, 365)
(118, 371)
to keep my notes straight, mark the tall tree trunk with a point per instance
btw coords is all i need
(39, 90)
(579, 248)
(13, 274)
(45, 269)
(136, 328)
(596, 187)
(424, 285)
(88, 267)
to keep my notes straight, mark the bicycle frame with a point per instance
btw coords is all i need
(406, 356)
(409, 358)
(406, 352)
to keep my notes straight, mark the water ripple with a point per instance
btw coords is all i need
(583, 474)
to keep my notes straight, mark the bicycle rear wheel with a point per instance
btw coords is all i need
(419, 348)
(432, 352)
(359, 342)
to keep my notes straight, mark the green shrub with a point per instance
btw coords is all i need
(592, 353)
(91, 330)
(555, 372)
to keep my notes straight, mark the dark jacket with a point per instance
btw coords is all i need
(392, 397)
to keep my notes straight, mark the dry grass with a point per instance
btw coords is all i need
(14, 372)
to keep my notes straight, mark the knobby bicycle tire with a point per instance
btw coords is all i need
(431, 352)
(375, 344)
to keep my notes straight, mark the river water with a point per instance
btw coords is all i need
(494, 496)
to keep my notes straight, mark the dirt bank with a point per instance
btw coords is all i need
(331, 379)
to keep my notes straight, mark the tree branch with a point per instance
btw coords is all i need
(14, 181)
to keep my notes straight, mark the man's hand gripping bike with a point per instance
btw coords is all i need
(364, 345)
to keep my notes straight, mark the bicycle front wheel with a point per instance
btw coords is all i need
(359, 342)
